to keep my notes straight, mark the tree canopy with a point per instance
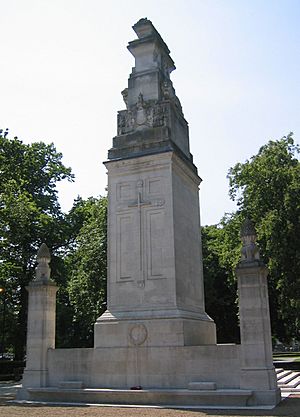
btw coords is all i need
(86, 269)
(29, 215)
(267, 189)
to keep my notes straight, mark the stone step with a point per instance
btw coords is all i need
(163, 397)
(290, 390)
(293, 383)
(283, 374)
(287, 378)
(280, 374)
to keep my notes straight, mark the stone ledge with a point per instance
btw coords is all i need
(220, 398)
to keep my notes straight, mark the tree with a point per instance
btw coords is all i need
(267, 188)
(219, 282)
(86, 268)
(29, 214)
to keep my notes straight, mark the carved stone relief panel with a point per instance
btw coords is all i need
(138, 334)
(144, 114)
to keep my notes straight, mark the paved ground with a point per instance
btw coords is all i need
(290, 407)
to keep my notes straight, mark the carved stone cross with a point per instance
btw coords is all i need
(139, 204)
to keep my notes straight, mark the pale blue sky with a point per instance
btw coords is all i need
(64, 63)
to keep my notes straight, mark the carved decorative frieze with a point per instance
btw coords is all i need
(144, 114)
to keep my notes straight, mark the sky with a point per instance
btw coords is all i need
(65, 62)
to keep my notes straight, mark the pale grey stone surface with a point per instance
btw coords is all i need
(150, 367)
(257, 369)
(154, 255)
(41, 323)
(153, 120)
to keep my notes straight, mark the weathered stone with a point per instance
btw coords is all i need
(257, 369)
(150, 98)
(40, 323)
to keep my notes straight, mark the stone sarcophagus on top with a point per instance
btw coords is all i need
(154, 261)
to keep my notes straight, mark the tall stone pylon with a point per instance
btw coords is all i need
(41, 322)
(257, 369)
(155, 279)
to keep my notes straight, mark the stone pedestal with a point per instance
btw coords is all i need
(41, 323)
(155, 279)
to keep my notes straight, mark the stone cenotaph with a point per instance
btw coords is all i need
(155, 335)
(155, 286)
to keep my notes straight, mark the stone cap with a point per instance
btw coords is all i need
(248, 228)
(250, 252)
(43, 271)
(147, 33)
(144, 28)
(44, 252)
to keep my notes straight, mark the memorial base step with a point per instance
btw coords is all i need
(160, 397)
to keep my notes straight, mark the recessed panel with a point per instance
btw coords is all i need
(155, 186)
(125, 191)
(126, 247)
(155, 243)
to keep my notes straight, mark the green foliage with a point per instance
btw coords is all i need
(220, 286)
(87, 267)
(29, 214)
(267, 188)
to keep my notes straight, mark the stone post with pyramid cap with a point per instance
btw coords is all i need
(41, 321)
(257, 369)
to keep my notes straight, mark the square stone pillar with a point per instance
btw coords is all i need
(257, 369)
(40, 323)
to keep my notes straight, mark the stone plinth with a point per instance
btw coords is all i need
(155, 278)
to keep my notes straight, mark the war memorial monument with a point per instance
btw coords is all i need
(155, 335)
